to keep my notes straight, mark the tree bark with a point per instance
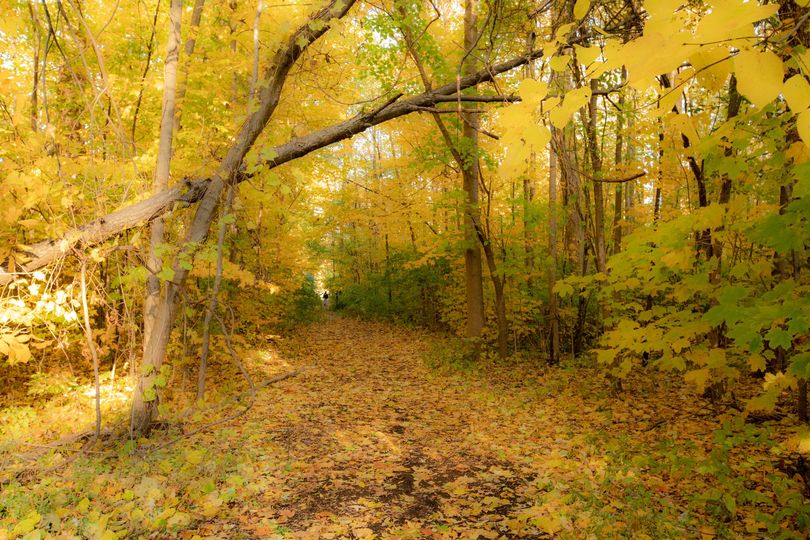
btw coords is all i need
(554, 323)
(473, 273)
(191, 42)
(598, 195)
(162, 167)
(212, 301)
(35, 85)
(618, 195)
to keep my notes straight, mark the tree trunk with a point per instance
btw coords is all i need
(598, 195)
(473, 273)
(35, 85)
(191, 42)
(554, 324)
(161, 179)
(618, 159)
(212, 302)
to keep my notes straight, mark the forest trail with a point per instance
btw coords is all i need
(370, 442)
(374, 444)
(384, 436)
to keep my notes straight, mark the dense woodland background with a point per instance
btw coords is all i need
(610, 189)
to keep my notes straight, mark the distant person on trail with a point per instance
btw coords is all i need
(325, 299)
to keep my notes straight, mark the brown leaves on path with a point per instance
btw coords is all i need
(372, 443)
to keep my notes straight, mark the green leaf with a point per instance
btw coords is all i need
(166, 273)
(732, 294)
(778, 337)
(268, 154)
(800, 365)
(730, 503)
(563, 289)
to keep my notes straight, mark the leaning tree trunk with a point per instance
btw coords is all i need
(144, 404)
(191, 191)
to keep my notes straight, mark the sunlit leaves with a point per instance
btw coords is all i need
(581, 8)
(573, 100)
(803, 126)
(797, 93)
(731, 19)
(586, 55)
(559, 63)
(759, 75)
(712, 65)
(532, 91)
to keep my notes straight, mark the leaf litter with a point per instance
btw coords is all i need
(372, 441)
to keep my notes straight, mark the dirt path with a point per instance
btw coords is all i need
(372, 443)
(379, 444)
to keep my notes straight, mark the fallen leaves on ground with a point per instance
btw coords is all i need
(371, 443)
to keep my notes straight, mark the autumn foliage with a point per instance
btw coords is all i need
(564, 246)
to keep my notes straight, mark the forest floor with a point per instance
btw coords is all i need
(382, 437)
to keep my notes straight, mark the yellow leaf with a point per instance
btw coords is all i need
(83, 505)
(662, 8)
(573, 100)
(26, 525)
(537, 136)
(803, 126)
(558, 63)
(756, 362)
(548, 524)
(759, 76)
(586, 55)
(713, 66)
(532, 92)
(716, 359)
(194, 457)
(18, 353)
(800, 442)
(730, 19)
(797, 93)
(211, 506)
(561, 34)
(699, 378)
(581, 8)
(364, 533)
